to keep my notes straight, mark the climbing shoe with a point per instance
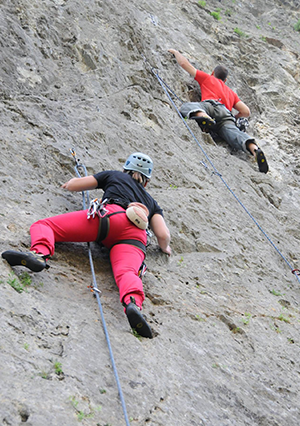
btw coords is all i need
(31, 260)
(205, 123)
(136, 319)
(261, 161)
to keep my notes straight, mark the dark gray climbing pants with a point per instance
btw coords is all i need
(225, 127)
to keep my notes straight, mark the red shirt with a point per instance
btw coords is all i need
(216, 89)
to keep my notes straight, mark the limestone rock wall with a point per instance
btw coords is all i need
(225, 306)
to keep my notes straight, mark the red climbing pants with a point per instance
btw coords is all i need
(125, 259)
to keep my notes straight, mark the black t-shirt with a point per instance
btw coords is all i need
(123, 189)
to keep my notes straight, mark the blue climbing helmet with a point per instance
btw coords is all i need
(139, 162)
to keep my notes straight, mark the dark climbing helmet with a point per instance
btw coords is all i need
(139, 162)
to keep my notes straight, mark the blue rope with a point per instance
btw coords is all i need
(85, 202)
(164, 86)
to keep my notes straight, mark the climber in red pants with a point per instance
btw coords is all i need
(111, 224)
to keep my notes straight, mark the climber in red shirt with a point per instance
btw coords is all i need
(213, 113)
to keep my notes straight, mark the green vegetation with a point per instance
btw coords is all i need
(240, 32)
(284, 319)
(275, 328)
(216, 14)
(74, 402)
(247, 319)
(180, 261)
(136, 334)
(26, 346)
(202, 3)
(297, 26)
(21, 282)
(81, 415)
(44, 375)
(198, 318)
(221, 366)
(276, 293)
(57, 368)
(15, 283)
(25, 279)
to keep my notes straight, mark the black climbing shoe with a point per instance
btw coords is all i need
(35, 262)
(261, 161)
(206, 124)
(136, 319)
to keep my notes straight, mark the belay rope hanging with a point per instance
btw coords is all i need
(86, 201)
(167, 91)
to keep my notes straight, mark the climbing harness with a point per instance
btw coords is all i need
(97, 207)
(85, 200)
(131, 242)
(167, 91)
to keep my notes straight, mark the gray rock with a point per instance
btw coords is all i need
(224, 307)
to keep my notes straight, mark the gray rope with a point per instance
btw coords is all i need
(85, 202)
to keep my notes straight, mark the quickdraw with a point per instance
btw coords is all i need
(142, 270)
(94, 289)
(97, 207)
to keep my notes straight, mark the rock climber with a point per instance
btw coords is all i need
(213, 113)
(110, 225)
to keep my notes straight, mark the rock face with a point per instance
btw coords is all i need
(224, 307)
